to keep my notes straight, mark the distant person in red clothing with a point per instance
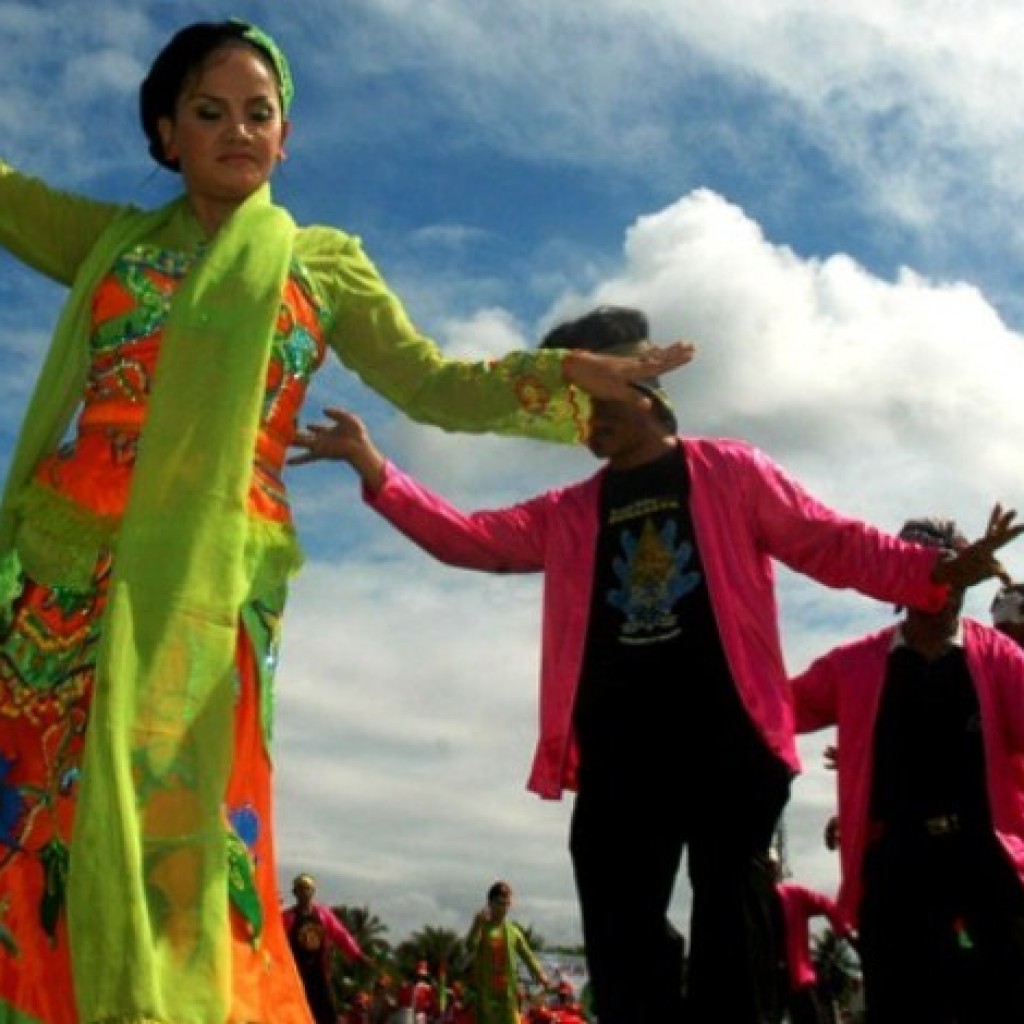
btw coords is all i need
(313, 930)
(418, 997)
(798, 905)
(566, 1007)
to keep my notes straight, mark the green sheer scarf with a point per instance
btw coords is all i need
(147, 884)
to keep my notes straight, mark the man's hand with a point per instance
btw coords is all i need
(977, 562)
(345, 439)
(608, 376)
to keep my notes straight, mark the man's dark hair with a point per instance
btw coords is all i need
(603, 329)
(615, 330)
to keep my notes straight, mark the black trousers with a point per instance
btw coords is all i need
(941, 931)
(805, 1007)
(626, 859)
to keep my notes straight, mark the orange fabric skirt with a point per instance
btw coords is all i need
(46, 679)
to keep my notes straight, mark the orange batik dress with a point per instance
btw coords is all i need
(48, 655)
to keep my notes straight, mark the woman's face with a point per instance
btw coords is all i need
(499, 905)
(227, 132)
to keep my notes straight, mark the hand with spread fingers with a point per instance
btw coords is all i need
(344, 438)
(977, 562)
(611, 376)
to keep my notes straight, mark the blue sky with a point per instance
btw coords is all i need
(825, 198)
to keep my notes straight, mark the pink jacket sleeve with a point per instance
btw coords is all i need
(338, 935)
(799, 905)
(835, 549)
(814, 696)
(501, 540)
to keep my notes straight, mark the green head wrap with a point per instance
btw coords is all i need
(264, 42)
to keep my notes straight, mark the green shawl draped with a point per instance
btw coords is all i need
(147, 883)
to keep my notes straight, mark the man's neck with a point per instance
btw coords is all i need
(642, 455)
(929, 635)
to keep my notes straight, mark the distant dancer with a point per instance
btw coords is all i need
(498, 946)
(313, 931)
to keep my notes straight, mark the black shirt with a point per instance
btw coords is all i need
(928, 747)
(655, 681)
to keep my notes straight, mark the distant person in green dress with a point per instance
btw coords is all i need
(498, 946)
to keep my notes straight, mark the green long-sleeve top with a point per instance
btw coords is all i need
(365, 324)
(522, 393)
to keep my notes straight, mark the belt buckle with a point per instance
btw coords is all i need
(942, 825)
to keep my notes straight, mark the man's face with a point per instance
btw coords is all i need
(618, 428)
(946, 618)
(304, 892)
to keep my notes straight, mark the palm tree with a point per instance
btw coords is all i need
(367, 929)
(838, 969)
(442, 948)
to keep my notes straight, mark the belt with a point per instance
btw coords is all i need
(942, 825)
(937, 826)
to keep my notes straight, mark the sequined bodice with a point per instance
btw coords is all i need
(129, 310)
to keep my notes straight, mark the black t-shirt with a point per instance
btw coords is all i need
(655, 683)
(928, 745)
(306, 937)
(307, 940)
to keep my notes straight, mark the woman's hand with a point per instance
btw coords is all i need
(609, 377)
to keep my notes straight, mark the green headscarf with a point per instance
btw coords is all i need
(255, 35)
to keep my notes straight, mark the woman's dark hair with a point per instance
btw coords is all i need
(180, 58)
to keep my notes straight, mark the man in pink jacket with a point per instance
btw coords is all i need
(929, 718)
(662, 680)
(313, 931)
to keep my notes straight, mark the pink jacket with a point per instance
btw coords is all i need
(746, 511)
(799, 905)
(844, 688)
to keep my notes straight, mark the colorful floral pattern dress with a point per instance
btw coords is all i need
(46, 671)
